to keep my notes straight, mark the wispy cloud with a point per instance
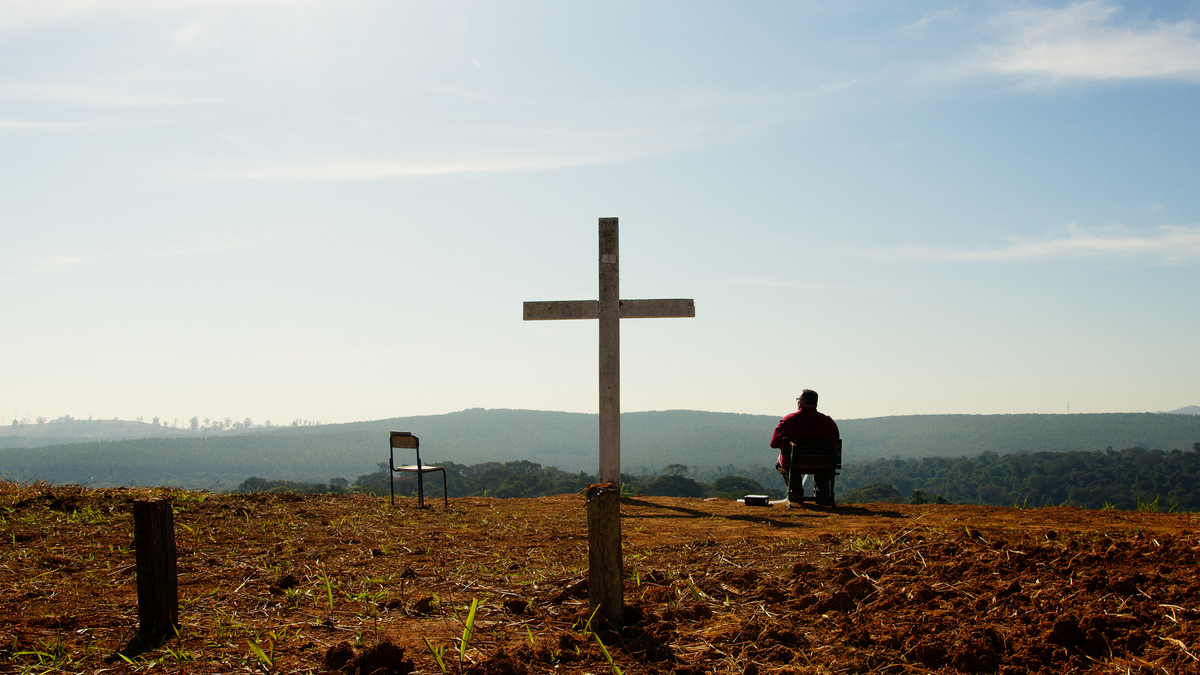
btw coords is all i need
(929, 19)
(69, 125)
(1167, 244)
(31, 266)
(350, 169)
(522, 134)
(754, 282)
(46, 124)
(18, 14)
(91, 94)
(1083, 41)
(522, 149)
(23, 13)
(794, 284)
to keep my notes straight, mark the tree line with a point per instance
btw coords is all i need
(1126, 479)
(521, 478)
(1129, 479)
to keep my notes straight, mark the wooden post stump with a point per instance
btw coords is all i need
(157, 574)
(606, 583)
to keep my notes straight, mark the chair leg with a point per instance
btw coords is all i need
(793, 479)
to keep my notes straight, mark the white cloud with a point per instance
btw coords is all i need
(46, 124)
(1168, 244)
(348, 169)
(760, 283)
(434, 151)
(1083, 41)
(69, 125)
(792, 284)
(68, 93)
(951, 13)
(18, 14)
(21, 13)
(201, 245)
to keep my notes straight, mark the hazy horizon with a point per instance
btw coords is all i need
(182, 424)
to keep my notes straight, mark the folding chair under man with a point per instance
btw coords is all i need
(812, 456)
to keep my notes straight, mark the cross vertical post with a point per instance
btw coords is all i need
(605, 567)
(610, 354)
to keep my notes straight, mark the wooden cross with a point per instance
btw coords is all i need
(610, 309)
(606, 591)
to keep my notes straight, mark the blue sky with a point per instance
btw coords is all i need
(334, 210)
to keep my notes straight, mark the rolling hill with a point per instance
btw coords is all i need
(650, 441)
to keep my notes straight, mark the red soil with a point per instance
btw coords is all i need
(321, 583)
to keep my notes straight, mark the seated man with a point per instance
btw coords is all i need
(806, 422)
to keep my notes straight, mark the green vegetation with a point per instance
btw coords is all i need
(512, 479)
(254, 484)
(1129, 479)
(921, 497)
(491, 479)
(736, 487)
(710, 446)
(873, 493)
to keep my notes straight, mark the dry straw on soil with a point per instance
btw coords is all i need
(282, 583)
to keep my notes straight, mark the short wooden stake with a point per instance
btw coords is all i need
(157, 574)
(606, 584)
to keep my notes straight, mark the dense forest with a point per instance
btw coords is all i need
(513, 479)
(1129, 479)
(1124, 479)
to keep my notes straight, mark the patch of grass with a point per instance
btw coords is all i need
(88, 515)
(265, 657)
(616, 670)
(437, 654)
(866, 543)
(52, 652)
(468, 632)
(325, 581)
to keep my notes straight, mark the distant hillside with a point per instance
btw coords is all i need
(1189, 410)
(63, 432)
(650, 441)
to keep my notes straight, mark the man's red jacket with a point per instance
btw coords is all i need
(804, 423)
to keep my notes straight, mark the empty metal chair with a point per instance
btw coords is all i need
(405, 439)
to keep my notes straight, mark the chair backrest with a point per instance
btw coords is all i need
(814, 455)
(817, 446)
(405, 439)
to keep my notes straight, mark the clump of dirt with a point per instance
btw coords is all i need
(339, 656)
(503, 663)
(348, 584)
(384, 658)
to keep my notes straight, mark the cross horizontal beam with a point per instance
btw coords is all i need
(590, 309)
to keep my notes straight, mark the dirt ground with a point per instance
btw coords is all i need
(283, 583)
